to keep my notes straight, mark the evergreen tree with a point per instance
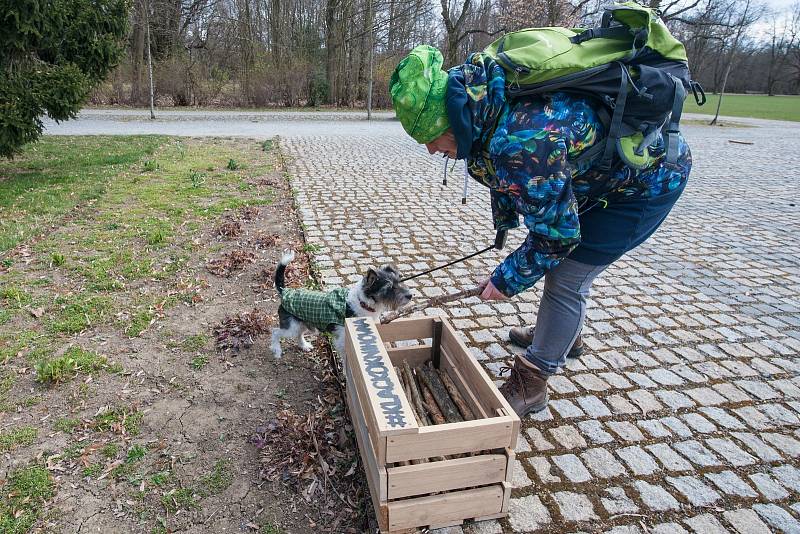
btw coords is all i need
(52, 52)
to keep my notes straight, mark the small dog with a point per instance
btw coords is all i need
(304, 310)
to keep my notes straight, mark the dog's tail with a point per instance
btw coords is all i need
(280, 272)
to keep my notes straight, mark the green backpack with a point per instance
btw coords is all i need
(631, 64)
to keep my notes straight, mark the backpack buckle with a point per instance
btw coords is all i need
(583, 36)
(671, 147)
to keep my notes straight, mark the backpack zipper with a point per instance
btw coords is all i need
(519, 69)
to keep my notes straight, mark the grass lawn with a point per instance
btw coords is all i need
(53, 176)
(757, 106)
(107, 307)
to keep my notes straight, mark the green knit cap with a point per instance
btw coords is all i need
(418, 87)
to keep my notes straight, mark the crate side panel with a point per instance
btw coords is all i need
(405, 329)
(413, 355)
(376, 474)
(451, 438)
(475, 403)
(474, 374)
(445, 508)
(446, 475)
(355, 382)
(371, 366)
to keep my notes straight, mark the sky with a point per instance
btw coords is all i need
(778, 4)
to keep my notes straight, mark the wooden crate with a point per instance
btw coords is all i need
(438, 493)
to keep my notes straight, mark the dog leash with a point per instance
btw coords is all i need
(499, 243)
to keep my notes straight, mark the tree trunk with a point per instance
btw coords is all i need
(371, 41)
(149, 61)
(331, 48)
(454, 31)
(743, 23)
(137, 55)
(246, 49)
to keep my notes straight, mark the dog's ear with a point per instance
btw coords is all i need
(370, 278)
(390, 268)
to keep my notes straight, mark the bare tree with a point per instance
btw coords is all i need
(342, 52)
(740, 21)
(782, 40)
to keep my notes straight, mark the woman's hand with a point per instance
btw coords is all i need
(490, 292)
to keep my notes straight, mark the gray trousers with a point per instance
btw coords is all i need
(561, 313)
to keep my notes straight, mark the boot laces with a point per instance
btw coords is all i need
(514, 383)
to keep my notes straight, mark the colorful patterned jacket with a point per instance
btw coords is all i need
(524, 151)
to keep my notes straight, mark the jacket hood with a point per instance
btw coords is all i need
(475, 97)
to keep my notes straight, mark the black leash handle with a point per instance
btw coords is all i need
(499, 243)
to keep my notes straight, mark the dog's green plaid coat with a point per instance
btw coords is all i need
(319, 309)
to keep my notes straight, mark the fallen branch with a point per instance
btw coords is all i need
(416, 396)
(740, 142)
(430, 303)
(459, 401)
(419, 413)
(430, 405)
(437, 389)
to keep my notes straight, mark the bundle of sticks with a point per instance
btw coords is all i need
(434, 398)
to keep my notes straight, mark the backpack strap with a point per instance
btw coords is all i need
(615, 130)
(673, 126)
(614, 32)
(605, 20)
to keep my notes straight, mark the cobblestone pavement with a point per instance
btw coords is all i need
(685, 414)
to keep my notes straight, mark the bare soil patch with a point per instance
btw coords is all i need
(111, 373)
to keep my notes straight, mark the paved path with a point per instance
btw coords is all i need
(685, 416)
(260, 124)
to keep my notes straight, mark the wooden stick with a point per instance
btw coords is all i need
(430, 405)
(408, 396)
(459, 401)
(430, 303)
(437, 389)
(407, 391)
(422, 419)
(740, 142)
(416, 396)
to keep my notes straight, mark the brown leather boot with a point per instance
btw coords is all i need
(522, 336)
(526, 388)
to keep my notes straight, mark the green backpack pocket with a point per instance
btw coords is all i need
(630, 64)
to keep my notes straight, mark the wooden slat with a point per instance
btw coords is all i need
(445, 508)
(489, 517)
(371, 367)
(451, 438)
(376, 474)
(475, 376)
(471, 370)
(474, 401)
(359, 388)
(510, 457)
(517, 425)
(414, 355)
(503, 510)
(446, 475)
(404, 329)
(436, 342)
(447, 524)
(374, 440)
